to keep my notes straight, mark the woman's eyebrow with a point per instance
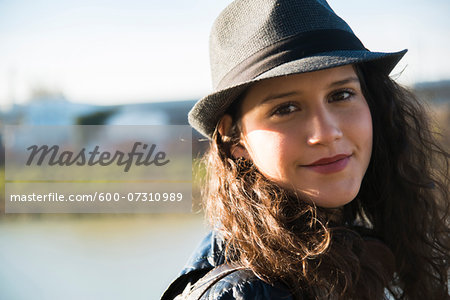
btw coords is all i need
(275, 96)
(344, 81)
(272, 97)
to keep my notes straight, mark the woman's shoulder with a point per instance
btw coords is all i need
(222, 279)
(245, 285)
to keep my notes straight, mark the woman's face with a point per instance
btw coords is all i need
(309, 132)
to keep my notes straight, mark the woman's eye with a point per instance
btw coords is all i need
(341, 95)
(284, 109)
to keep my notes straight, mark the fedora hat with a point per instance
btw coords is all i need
(252, 40)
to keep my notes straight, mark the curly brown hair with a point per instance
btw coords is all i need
(334, 253)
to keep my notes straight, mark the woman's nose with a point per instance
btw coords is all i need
(324, 128)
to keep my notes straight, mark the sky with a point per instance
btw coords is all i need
(112, 52)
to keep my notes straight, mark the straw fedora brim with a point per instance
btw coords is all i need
(207, 111)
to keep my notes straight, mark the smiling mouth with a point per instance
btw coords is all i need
(330, 165)
(329, 160)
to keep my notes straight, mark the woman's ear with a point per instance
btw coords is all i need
(237, 150)
(225, 127)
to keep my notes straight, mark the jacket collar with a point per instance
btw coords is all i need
(208, 255)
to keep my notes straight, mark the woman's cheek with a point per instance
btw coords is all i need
(358, 129)
(271, 151)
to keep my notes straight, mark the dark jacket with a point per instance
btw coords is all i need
(242, 284)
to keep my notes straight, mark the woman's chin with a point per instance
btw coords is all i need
(332, 200)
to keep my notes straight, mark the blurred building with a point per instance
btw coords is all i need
(57, 110)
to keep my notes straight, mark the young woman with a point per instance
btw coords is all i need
(324, 178)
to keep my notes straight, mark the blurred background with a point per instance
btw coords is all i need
(137, 62)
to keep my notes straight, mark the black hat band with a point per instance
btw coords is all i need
(293, 48)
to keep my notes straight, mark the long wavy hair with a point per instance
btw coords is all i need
(393, 238)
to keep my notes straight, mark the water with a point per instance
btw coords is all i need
(92, 257)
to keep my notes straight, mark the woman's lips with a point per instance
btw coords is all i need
(330, 165)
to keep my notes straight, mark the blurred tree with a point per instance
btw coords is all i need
(96, 118)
